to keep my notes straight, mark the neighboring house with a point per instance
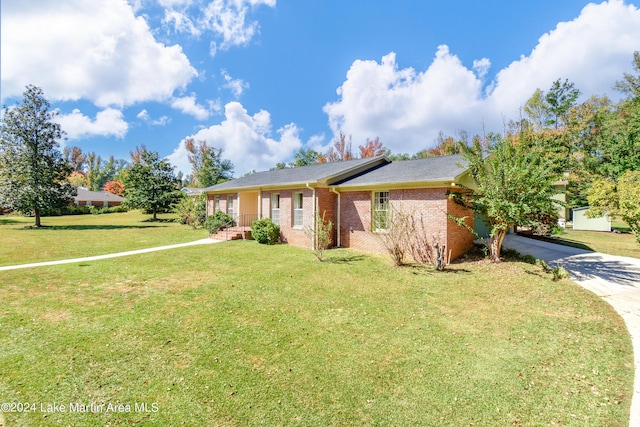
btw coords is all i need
(191, 191)
(96, 198)
(582, 222)
(356, 196)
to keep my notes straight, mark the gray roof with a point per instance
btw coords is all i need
(96, 196)
(432, 169)
(325, 173)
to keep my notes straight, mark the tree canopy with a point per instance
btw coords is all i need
(513, 183)
(151, 184)
(33, 173)
(209, 168)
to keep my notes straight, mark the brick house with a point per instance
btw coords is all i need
(96, 198)
(356, 196)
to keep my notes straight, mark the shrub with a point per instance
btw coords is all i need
(192, 210)
(218, 221)
(322, 235)
(265, 231)
(544, 223)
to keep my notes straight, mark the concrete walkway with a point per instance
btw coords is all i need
(615, 279)
(98, 257)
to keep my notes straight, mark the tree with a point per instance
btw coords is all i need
(537, 110)
(608, 197)
(304, 158)
(209, 168)
(340, 151)
(151, 184)
(33, 173)
(75, 157)
(512, 183)
(114, 187)
(372, 148)
(76, 179)
(560, 98)
(630, 84)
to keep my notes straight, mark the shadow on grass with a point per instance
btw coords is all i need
(4, 221)
(90, 227)
(344, 259)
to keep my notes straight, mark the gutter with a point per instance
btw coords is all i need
(313, 243)
(333, 190)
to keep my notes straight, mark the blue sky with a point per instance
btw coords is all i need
(263, 78)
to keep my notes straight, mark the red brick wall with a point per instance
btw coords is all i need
(429, 207)
(290, 234)
(426, 204)
(355, 222)
(459, 239)
(223, 203)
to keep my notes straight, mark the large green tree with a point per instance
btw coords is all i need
(209, 168)
(32, 169)
(512, 184)
(151, 184)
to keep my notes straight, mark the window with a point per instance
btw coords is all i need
(275, 208)
(380, 217)
(230, 205)
(298, 211)
(216, 204)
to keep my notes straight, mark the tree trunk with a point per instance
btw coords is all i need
(495, 245)
(37, 212)
(155, 214)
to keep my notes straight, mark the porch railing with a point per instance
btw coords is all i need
(239, 223)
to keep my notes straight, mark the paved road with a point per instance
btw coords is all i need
(97, 257)
(615, 279)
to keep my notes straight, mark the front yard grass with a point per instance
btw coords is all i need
(75, 236)
(621, 243)
(241, 334)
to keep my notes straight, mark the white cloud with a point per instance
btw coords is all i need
(226, 19)
(146, 117)
(98, 51)
(592, 51)
(181, 21)
(407, 109)
(109, 122)
(188, 105)
(246, 140)
(236, 86)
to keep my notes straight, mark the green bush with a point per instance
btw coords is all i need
(192, 210)
(218, 221)
(265, 231)
(97, 210)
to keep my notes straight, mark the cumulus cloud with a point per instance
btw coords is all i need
(188, 105)
(100, 51)
(246, 140)
(407, 109)
(109, 122)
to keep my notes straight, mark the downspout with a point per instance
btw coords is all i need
(313, 243)
(333, 190)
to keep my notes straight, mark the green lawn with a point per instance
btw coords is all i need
(76, 236)
(240, 334)
(621, 243)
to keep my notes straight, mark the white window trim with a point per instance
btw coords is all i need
(374, 212)
(230, 202)
(299, 210)
(272, 210)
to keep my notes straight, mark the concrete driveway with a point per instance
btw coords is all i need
(615, 279)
